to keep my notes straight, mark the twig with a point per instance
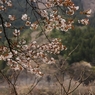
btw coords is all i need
(33, 86)
(69, 55)
(9, 82)
(61, 85)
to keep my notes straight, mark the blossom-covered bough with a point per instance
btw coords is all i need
(51, 14)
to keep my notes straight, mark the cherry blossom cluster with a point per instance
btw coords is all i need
(84, 21)
(52, 3)
(52, 18)
(16, 33)
(54, 47)
(4, 4)
(23, 55)
(7, 24)
(66, 3)
(26, 18)
(87, 12)
(11, 18)
(56, 21)
(5, 53)
(34, 51)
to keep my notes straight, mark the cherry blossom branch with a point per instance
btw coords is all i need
(4, 31)
(35, 10)
(33, 86)
(9, 82)
(62, 85)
